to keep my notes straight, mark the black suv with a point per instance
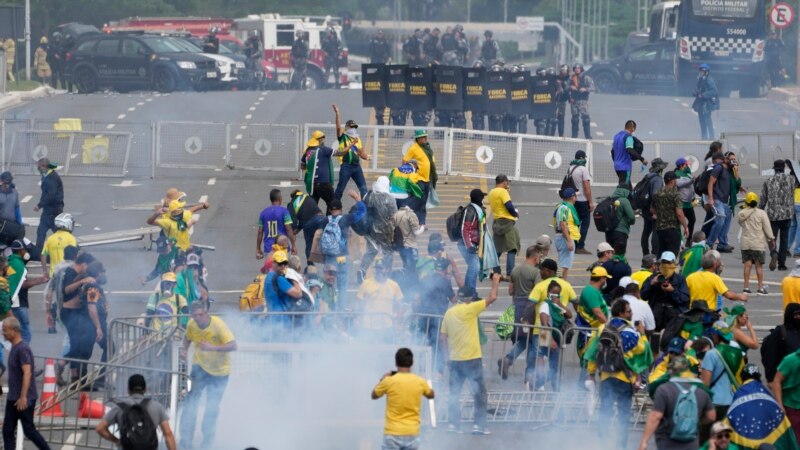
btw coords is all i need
(649, 68)
(128, 62)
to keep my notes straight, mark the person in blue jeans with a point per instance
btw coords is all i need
(345, 221)
(350, 143)
(473, 228)
(717, 196)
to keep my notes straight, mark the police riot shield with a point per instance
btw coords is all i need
(474, 79)
(543, 96)
(396, 86)
(419, 89)
(373, 82)
(448, 84)
(520, 93)
(497, 91)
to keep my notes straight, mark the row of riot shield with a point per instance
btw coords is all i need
(455, 88)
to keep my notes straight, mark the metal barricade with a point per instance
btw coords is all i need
(265, 147)
(8, 133)
(757, 151)
(192, 145)
(80, 153)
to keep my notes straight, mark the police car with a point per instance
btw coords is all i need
(649, 68)
(128, 62)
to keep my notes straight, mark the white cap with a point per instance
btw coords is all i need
(625, 281)
(668, 256)
(604, 247)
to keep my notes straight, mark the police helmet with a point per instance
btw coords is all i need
(214, 30)
(578, 65)
(458, 27)
(551, 71)
(488, 33)
(252, 33)
(521, 67)
(564, 68)
(478, 64)
(541, 71)
(496, 67)
(64, 221)
(704, 67)
(43, 40)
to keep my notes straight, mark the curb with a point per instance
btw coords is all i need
(11, 99)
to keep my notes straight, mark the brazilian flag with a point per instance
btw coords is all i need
(638, 355)
(756, 419)
(404, 180)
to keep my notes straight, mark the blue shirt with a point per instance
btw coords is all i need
(277, 301)
(622, 160)
(722, 393)
(273, 220)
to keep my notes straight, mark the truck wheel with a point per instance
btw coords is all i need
(164, 80)
(606, 83)
(86, 81)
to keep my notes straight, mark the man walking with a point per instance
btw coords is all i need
(654, 182)
(756, 235)
(51, 203)
(422, 153)
(584, 203)
(566, 223)
(777, 199)
(706, 100)
(317, 163)
(625, 149)
(404, 391)
(211, 365)
(625, 215)
(473, 230)
(137, 386)
(717, 196)
(686, 191)
(353, 152)
(21, 397)
(504, 230)
(306, 217)
(668, 211)
(461, 337)
(274, 221)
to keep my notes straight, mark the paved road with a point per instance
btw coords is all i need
(236, 197)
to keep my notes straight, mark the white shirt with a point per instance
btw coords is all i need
(580, 175)
(641, 312)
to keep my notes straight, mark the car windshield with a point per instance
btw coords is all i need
(185, 45)
(163, 45)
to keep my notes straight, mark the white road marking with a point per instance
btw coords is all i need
(125, 183)
(248, 117)
(26, 199)
(203, 199)
(257, 103)
(234, 146)
(599, 133)
(684, 104)
(243, 127)
(252, 108)
(238, 137)
(110, 126)
(212, 181)
(261, 99)
(140, 104)
(676, 99)
(132, 108)
(121, 116)
(149, 100)
(593, 124)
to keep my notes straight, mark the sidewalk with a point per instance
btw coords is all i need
(788, 94)
(14, 98)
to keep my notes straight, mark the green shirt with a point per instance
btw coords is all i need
(685, 173)
(790, 368)
(690, 259)
(591, 298)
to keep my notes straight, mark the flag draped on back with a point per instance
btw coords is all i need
(404, 180)
(756, 419)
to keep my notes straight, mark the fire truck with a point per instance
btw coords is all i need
(279, 34)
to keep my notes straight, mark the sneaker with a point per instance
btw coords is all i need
(762, 291)
(582, 251)
(747, 291)
(479, 430)
(773, 262)
(453, 429)
(728, 249)
(783, 268)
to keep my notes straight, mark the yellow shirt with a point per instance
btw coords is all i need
(564, 214)
(704, 285)
(539, 294)
(460, 324)
(171, 230)
(797, 196)
(404, 393)
(216, 333)
(54, 247)
(791, 290)
(498, 197)
(640, 276)
(423, 164)
(379, 300)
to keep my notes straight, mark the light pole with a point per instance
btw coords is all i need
(28, 40)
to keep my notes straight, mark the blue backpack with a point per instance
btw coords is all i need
(331, 242)
(685, 416)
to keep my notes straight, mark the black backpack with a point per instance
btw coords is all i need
(641, 193)
(610, 355)
(700, 184)
(136, 428)
(605, 216)
(454, 222)
(568, 182)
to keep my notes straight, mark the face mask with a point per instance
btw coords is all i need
(667, 269)
(42, 171)
(553, 297)
(700, 354)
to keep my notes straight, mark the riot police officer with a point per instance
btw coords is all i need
(379, 51)
(552, 122)
(541, 124)
(462, 44)
(412, 49)
(54, 58)
(432, 48)
(562, 97)
(211, 43)
(299, 54)
(331, 48)
(580, 86)
(496, 119)
(509, 118)
(254, 52)
(706, 100)
(449, 45)
(478, 117)
(490, 50)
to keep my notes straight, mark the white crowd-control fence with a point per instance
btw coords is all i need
(101, 148)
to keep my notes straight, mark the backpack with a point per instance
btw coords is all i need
(672, 328)
(700, 184)
(331, 242)
(605, 216)
(568, 181)
(454, 223)
(362, 227)
(136, 428)
(641, 193)
(505, 326)
(302, 304)
(775, 347)
(252, 299)
(685, 415)
(610, 354)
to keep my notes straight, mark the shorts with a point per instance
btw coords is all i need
(565, 256)
(755, 256)
(392, 442)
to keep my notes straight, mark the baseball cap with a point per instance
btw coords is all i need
(751, 197)
(466, 292)
(625, 281)
(705, 67)
(681, 161)
(6, 177)
(648, 260)
(351, 124)
(335, 205)
(192, 259)
(668, 256)
(604, 247)
(600, 271)
(722, 329)
(476, 195)
(17, 245)
(580, 154)
(136, 382)
(719, 427)
(568, 193)
(676, 345)
(544, 241)
(669, 176)
(550, 265)
(280, 257)
(169, 276)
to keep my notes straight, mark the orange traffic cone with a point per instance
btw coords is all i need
(49, 391)
(90, 409)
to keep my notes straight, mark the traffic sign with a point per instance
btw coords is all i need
(193, 145)
(484, 154)
(263, 147)
(781, 15)
(552, 159)
(694, 163)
